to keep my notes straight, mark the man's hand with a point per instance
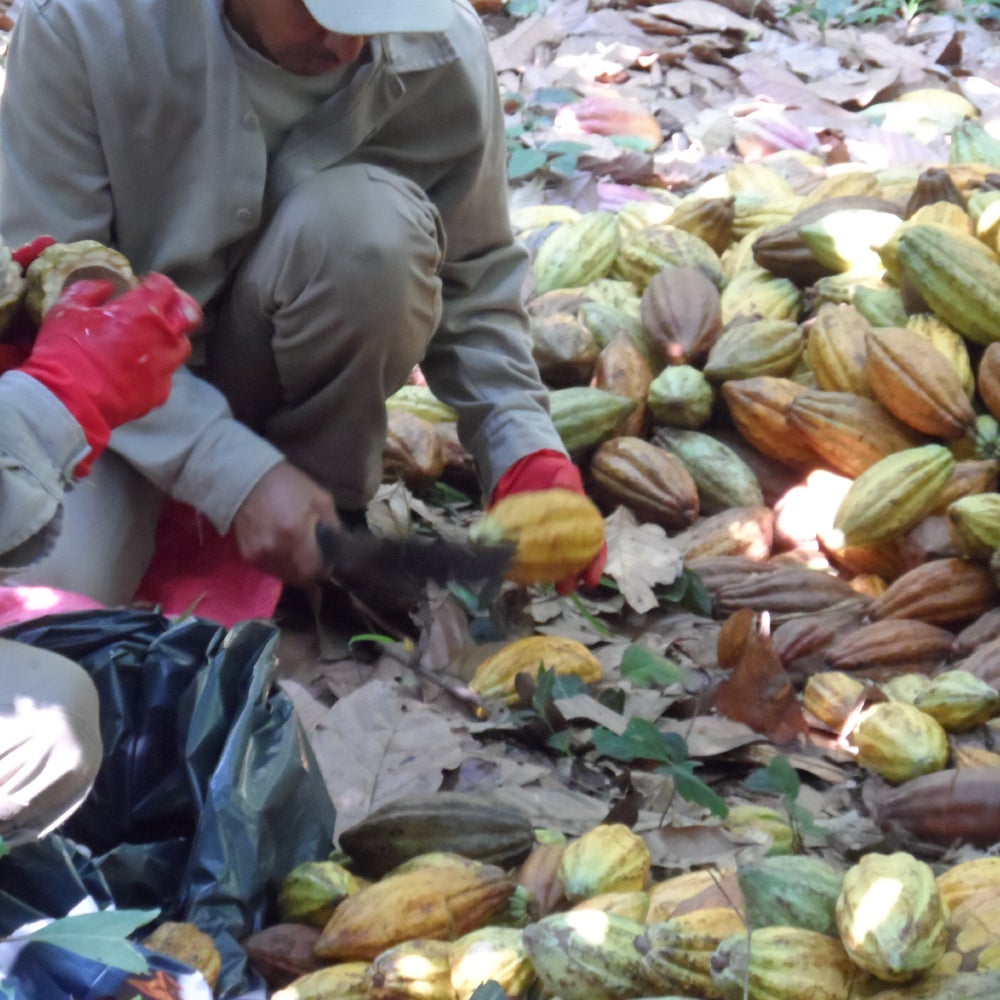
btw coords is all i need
(546, 470)
(111, 360)
(276, 525)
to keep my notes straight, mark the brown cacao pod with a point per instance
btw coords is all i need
(681, 312)
(758, 407)
(622, 369)
(955, 806)
(902, 645)
(849, 432)
(914, 381)
(946, 592)
(651, 482)
(745, 531)
(988, 379)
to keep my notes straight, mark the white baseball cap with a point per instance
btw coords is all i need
(377, 17)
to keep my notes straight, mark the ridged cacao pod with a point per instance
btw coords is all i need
(966, 878)
(578, 252)
(343, 981)
(915, 382)
(904, 645)
(758, 347)
(910, 932)
(608, 857)
(977, 521)
(956, 806)
(947, 592)
(651, 482)
(899, 742)
(959, 281)
(435, 902)
(588, 955)
(681, 311)
(490, 954)
(833, 697)
(738, 531)
(411, 970)
(892, 495)
(757, 294)
(723, 479)
(836, 349)
(711, 219)
(585, 416)
(783, 963)
(411, 826)
(495, 677)
(792, 890)
(988, 379)
(758, 408)
(677, 953)
(959, 700)
(653, 248)
(557, 533)
(681, 396)
(622, 369)
(309, 893)
(849, 433)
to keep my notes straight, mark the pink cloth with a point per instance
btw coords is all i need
(196, 570)
(19, 604)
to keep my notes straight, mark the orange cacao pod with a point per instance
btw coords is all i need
(947, 592)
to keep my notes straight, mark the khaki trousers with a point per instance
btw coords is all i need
(326, 317)
(50, 740)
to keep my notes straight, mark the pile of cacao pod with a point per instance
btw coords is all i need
(584, 918)
(794, 369)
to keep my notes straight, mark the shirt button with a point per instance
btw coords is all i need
(244, 215)
(250, 122)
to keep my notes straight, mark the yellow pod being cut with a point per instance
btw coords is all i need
(893, 495)
(496, 676)
(557, 533)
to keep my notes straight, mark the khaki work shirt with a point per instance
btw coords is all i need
(125, 121)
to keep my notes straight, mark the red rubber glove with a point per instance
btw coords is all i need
(111, 361)
(547, 470)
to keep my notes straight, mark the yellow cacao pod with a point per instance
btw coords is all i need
(608, 857)
(490, 953)
(959, 700)
(412, 970)
(891, 916)
(966, 878)
(677, 952)
(832, 697)
(188, 944)
(343, 981)
(432, 901)
(892, 495)
(899, 742)
(577, 252)
(588, 955)
(783, 963)
(557, 533)
(309, 893)
(495, 677)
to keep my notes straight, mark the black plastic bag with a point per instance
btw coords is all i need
(208, 792)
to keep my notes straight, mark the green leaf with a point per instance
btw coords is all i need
(99, 936)
(560, 742)
(695, 790)
(641, 740)
(555, 95)
(785, 777)
(644, 667)
(635, 142)
(4, 848)
(521, 8)
(565, 146)
(524, 162)
(564, 165)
